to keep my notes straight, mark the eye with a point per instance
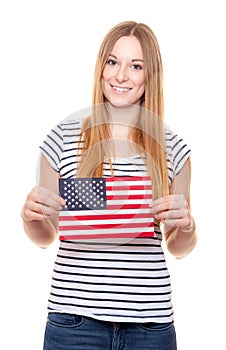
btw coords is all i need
(111, 62)
(137, 66)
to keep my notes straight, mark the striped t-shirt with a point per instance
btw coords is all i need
(124, 281)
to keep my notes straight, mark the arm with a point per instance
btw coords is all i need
(41, 208)
(174, 212)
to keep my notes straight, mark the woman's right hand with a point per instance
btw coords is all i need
(41, 204)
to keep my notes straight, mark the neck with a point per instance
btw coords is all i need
(125, 115)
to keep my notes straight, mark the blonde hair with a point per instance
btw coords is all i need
(148, 134)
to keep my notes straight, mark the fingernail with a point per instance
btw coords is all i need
(62, 202)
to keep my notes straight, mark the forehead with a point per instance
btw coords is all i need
(128, 46)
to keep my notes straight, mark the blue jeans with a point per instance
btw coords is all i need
(73, 332)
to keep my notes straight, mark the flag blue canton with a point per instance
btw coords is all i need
(83, 193)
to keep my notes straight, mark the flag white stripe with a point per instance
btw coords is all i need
(109, 212)
(114, 230)
(128, 201)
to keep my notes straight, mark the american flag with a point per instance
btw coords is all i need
(102, 208)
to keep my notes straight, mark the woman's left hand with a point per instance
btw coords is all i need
(172, 210)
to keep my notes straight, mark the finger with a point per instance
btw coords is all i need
(47, 210)
(179, 223)
(170, 215)
(49, 198)
(39, 211)
(171, 202)
(29, 215)
(171, 223)
(48, 202)
(41, 204)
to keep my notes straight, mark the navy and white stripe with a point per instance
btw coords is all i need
(117, 281)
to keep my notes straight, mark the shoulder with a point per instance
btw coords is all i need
(72, 125)
(60, 138)
(177, 149)
(70, 128)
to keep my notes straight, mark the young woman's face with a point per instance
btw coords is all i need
(123, 75)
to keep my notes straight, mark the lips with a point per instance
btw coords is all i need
(120, 89)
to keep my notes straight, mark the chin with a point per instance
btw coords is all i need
(120, 104)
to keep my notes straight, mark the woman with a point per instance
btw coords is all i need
(115, 292)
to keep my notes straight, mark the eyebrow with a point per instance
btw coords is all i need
(133, 60)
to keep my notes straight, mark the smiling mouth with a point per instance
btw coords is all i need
(120, 89)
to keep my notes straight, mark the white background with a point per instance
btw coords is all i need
(48, 52)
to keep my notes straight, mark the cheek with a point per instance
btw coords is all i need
(141, 87)
(106, 74)
(103, 82)
(140, 81)
(106, 78)
(105, 88)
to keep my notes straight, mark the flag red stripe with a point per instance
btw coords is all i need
(106, 226)
(110, 235)
(102, 216)
(130, 188)
(127, 206)
(127, 196)
(127, 178)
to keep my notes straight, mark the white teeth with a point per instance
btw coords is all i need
(120, 89)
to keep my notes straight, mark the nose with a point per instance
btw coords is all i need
(121, 74)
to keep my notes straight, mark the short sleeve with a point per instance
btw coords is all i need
(52, 147)
(177, 152)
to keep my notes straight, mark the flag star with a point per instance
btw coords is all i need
(83, 193)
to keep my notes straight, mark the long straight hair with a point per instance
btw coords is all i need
(148, 134)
